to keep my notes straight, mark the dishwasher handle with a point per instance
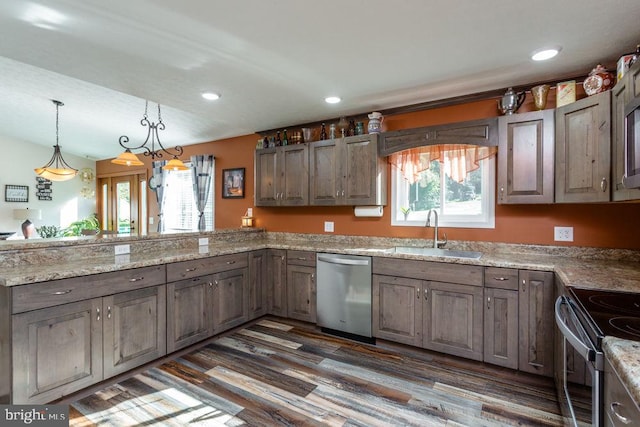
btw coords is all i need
(343, 261)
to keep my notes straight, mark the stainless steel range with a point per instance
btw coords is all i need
(584, 317)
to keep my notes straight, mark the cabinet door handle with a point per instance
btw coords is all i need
(623, 179)
(418, 293)
(230, 262)
(342, 193)
(603, 184)
(301, 259)
(426, 294)
(488, 303)
(62, 292)
(98, 314)
(524, 285)
(614, 410)
(501, 193)
(313, 277)
(500, 279)
(210, 284)
(109, 312)
(136, 279)
(188, 270)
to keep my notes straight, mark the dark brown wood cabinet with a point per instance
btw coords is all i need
(583, 150)
(397, 309)
(282, 176)
(257, 284)
(62, 349)
(452, 319)
(536, 322)
(301, 285)
(347, 171)
(277, 282)
(526, 158)
(501, 316)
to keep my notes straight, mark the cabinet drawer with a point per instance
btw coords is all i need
(501, 278)
(307, 258)
(203, 266)
(428, 270)
(56, 292)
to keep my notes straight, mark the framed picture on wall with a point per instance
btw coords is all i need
(16, 193)
(233, 183)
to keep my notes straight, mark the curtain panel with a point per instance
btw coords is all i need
(458, 159)
(202, 167)
(160, 178)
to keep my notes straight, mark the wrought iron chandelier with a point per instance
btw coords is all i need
(127, 158)
(57, 169)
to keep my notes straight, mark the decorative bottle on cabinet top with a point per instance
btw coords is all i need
(599, 80)
(323, 133)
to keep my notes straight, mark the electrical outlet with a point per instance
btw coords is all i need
(203, 241)
(122, 249)
(151, 219)
(328, 226)
(563, 234)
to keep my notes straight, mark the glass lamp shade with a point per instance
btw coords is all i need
(56, 174)
(175, 164)
(247, 221)
(127, 158)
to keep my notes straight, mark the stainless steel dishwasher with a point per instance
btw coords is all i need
(344, 295)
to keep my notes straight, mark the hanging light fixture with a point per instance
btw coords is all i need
(127, 158)
(57, 169)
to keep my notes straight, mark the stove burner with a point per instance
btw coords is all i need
(628, 325)
(620, 304)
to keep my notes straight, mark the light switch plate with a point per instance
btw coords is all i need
(122, 249)
(328, 226)
(250, 212)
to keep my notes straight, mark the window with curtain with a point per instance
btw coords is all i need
(180, 212)
(458, 181)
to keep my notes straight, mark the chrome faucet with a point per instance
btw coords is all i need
(436, 243)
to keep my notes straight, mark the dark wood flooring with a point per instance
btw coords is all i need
(279, 373)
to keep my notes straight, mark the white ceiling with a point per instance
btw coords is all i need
(274, 61)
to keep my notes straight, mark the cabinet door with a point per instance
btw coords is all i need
(359, 171)
(525, 158)
(134, 329)
(583, 150)
(257, 284)
(324, 164)
(277, 282)
(230, 299)
(56, 351)
(452, 319)
(301, 293)
(294, 175)
(536, 322)
(620, 96)
(397, 309)
(501, 327)
(189, 317)
(266, 177)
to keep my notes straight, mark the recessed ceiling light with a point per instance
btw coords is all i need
(544, 54)
(210, 96)
(332, 99)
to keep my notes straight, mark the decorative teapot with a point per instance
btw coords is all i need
(375, 122)
(510, 101)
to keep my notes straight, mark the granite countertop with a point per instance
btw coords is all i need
(576, 267)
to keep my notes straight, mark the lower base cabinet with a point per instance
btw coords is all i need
(620, 409)
(230, 299)
(501, 316)
(189, 304)
(277, 282)
(536, 322)
(397, 309)
(62, 349)
(301, 285)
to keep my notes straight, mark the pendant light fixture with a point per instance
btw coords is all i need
(127, 158)
(57, 169)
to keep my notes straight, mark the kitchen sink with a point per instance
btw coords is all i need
(427, 251)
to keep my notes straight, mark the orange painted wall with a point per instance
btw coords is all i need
(607, 225)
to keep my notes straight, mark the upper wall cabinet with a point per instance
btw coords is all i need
(583, 150)
(626, 88)
(282, 176)
(525, 158)
(347, 171)
(476, 132)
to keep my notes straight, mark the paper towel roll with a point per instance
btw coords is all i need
(374, 211)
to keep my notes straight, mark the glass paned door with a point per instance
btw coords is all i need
(122, 204)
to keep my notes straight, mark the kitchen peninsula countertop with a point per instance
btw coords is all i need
(609, 269)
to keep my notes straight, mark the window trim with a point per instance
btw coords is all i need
(453, 221)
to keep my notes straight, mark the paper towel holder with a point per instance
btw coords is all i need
(368, 211)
